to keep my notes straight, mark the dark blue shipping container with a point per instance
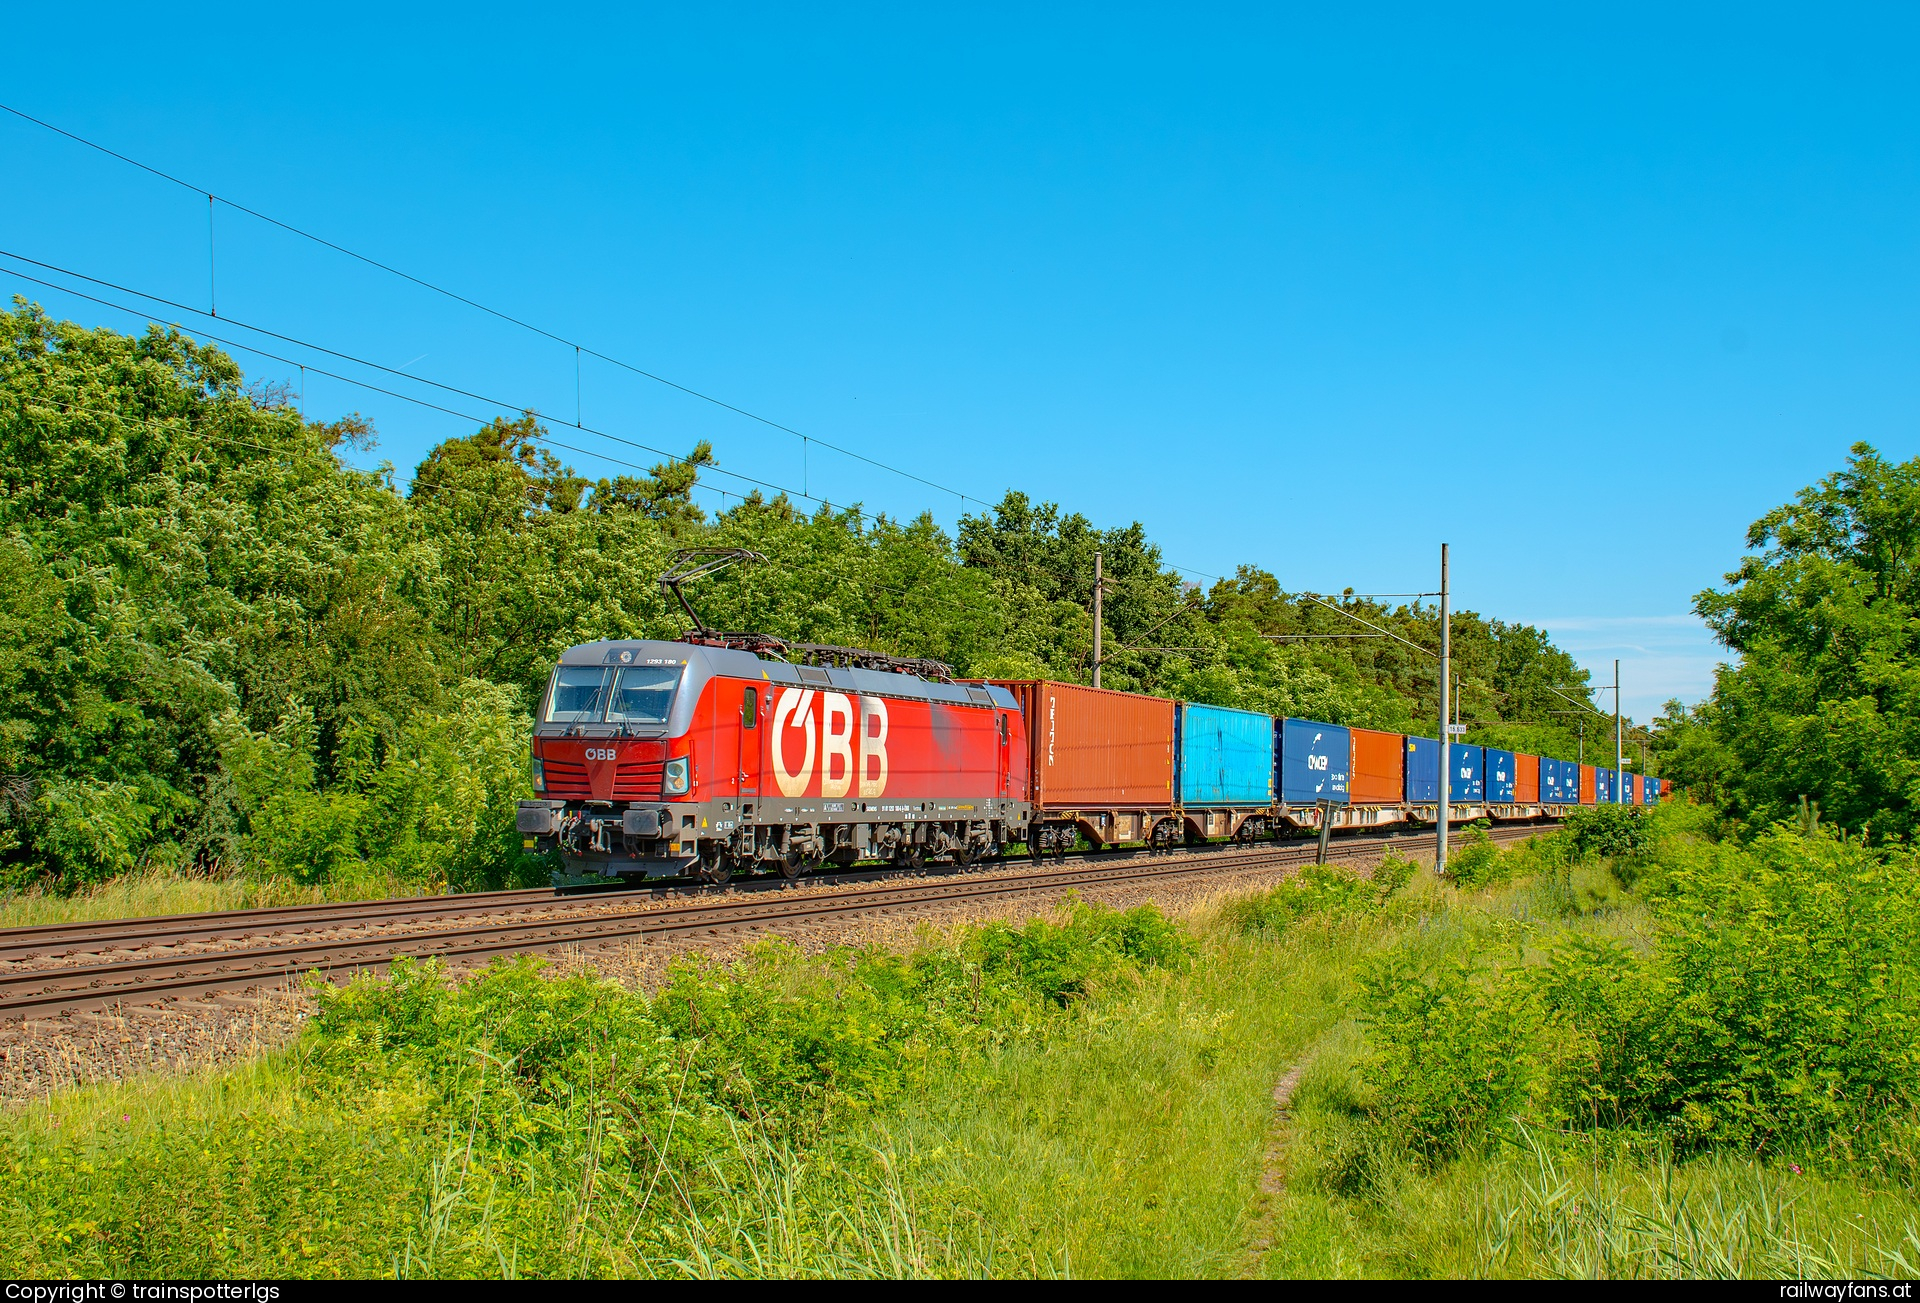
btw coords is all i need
(1501, 768)
(1468, 784)
(1603, 786)
(1567, 786)
(1226, 756)
(1423, 771)
(1653, 791)
(1313, 762)
(1549, 781)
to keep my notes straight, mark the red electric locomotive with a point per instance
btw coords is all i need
(656, 759)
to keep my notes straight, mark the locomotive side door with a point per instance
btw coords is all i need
(1005, 766)
(749, 744)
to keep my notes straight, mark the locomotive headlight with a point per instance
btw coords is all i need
(677, 776)
(539, 774)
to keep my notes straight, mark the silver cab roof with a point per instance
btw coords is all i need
(704, 663)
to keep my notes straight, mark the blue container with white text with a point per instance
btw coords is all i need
(1501, 768)
(1550, 781)
(1314, 760)
(1467, 784)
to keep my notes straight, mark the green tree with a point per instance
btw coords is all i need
(1825, 700)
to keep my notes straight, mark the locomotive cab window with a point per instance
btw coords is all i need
(750, 708)
(578, 694)
(643, 694)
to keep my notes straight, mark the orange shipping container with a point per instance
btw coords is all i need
(1589, 786)
(1526, 779)
(1375, 776)
(1094, 748)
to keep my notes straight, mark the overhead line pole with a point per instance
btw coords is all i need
(1098, 584)
(1618, 759)
(1446, 738)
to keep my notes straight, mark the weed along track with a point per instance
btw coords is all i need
(128, 962)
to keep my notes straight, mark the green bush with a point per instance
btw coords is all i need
(1475, 860)
(1779, 1008)
(1451, 1050)
(436, 807)
(1609, 831)
(520, 1124)
(1316, 890)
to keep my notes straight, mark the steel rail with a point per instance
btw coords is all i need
(64, 989)
(97, 936)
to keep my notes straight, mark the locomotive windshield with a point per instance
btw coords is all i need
(642, 694)
(632, 694)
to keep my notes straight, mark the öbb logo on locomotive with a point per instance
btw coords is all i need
(830, 736)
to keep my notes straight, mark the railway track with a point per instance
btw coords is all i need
(139, 974)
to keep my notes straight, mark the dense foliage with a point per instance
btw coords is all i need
(221, 646)
(1777, 1010)
(1821, 715)
(522, 1124)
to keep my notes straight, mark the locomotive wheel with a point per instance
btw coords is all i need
(911, 856)
(965, 855)
(795, 862)
(715, 868)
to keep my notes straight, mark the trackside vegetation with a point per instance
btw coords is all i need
(1709, 1072)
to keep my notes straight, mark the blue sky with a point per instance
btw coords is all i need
(1581, 293)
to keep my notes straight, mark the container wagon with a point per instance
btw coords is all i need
(1502, 769)
(1423, 778)
(1526, 784)
(1377, 778)
(1468, 784)
(1312, 770)
(1101, 764)
(1226, 772)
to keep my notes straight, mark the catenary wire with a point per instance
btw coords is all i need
(419, 402)
(579, 348)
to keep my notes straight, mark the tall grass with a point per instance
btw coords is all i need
(1089, 1095)
(154, 893)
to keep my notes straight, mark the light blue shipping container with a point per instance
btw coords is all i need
(1314, 761)
(1468, 783)
(1226, 756)
(1423, 771)
(1502, 766)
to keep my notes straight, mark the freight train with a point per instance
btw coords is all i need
(734, 753)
